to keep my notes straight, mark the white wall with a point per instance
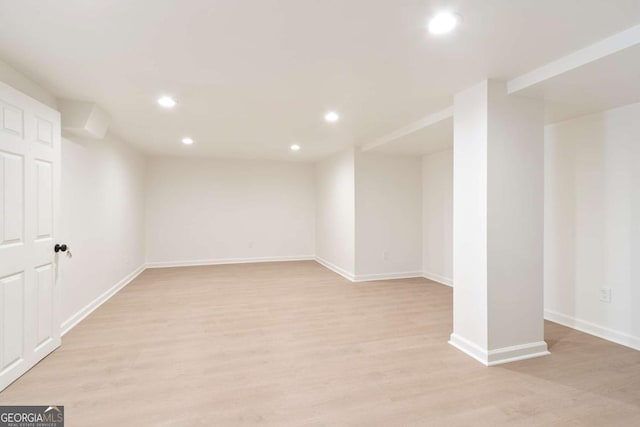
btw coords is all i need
(437, 216)
(102, 220)
(102, 197)
(209, 211)
(388, 216)
(335, 212)
(592, 223)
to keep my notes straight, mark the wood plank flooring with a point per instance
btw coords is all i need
(293, 344)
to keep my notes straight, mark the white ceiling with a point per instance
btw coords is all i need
(251, 77)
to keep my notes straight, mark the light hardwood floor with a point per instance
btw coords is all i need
(289, 344)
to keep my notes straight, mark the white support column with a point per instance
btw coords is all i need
(498, 225)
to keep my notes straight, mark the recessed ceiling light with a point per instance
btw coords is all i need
(331, 116)
(166, 102)
(295, 147)
(443, 23)
(187, 141)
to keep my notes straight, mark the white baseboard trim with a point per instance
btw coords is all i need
(386, 276)
(366, 277)
(438, 278)
(500, 355)
(518, 352)
(469, 348)
(68, 324)
(590, 328)
(344, 273)
(219, 261)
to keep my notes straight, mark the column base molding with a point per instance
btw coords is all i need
(499, 355)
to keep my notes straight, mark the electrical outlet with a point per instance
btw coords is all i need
(605, 295)
(250, 245)
(385, 255)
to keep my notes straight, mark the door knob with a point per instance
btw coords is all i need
(60, 248)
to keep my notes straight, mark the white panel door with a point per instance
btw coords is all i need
(29, 198)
